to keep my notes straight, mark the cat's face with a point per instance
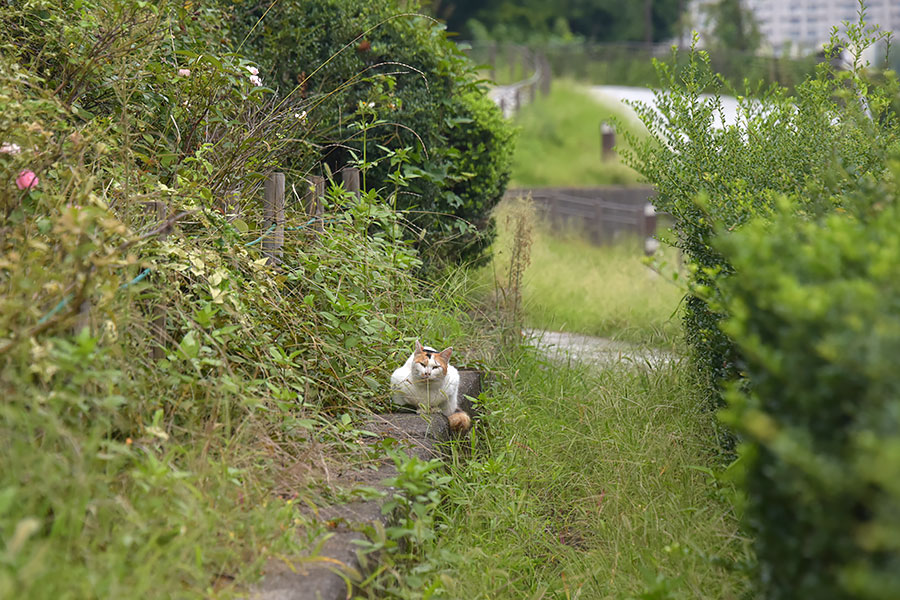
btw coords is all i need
(429, 364)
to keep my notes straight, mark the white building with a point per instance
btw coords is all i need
(803, 26)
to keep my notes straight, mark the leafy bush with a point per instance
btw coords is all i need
(814, 145)
(377, 77)
(167, 478)
(814, 308)
(789, 223)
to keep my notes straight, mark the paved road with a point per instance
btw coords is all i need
(617, 95)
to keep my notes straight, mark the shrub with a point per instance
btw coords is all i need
(813, 145)
(378, 78)
(165, 478)
(789, 223)
(814, 309)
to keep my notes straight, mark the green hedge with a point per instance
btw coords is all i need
(789, 226)
(377, 80)
(813, 145)
(815, 311)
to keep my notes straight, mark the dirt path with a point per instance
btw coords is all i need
(604, 351)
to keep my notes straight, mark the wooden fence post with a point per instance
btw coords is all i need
(273, 213)
(648, 229)
(607, 140)
(315, 209)
(350, 177)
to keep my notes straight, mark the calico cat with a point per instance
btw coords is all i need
(428, 380)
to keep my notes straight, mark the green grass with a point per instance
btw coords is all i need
(559, 141)
(142, 519)
(573, 285)
(588, 482)
(591, 483)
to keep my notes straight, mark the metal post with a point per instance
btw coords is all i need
(648, 229)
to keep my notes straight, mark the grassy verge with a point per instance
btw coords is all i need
(573, 285)
(592, 484)
(559, 141)
(586, 482)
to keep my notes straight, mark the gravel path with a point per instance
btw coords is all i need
(604, 351)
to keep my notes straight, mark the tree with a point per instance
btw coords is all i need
(733, 26)
(596, 20)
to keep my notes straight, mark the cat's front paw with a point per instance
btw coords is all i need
(459, 422)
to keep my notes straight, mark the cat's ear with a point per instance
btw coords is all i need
(419, 347)
(445, 354)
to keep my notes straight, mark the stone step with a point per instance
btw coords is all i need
(330, 573)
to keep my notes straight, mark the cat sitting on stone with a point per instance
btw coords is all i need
(427, 380)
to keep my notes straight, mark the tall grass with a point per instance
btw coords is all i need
(586, 482)
(559, 141)
(576, 286)
(591, 484)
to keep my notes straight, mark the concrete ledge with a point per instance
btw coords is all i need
(331, 573)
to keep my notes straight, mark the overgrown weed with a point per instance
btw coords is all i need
(176, 477)
(591, 483)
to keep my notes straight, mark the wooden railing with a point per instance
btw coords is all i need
(605, 214)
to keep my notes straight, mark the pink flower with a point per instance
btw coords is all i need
(256, 81)
(8, 148)
(253, 70)
(26, 180)
(184, 72)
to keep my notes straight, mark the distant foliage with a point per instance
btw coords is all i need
(538, 20)
(378, 78)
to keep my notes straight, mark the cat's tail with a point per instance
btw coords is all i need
(460, 422)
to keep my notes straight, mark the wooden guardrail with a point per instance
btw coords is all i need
(525, 70)
(605, 214)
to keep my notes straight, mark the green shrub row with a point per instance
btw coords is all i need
(788, 221)
(376, 77)
(814, 307)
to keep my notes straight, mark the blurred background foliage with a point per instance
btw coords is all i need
(533, 20)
